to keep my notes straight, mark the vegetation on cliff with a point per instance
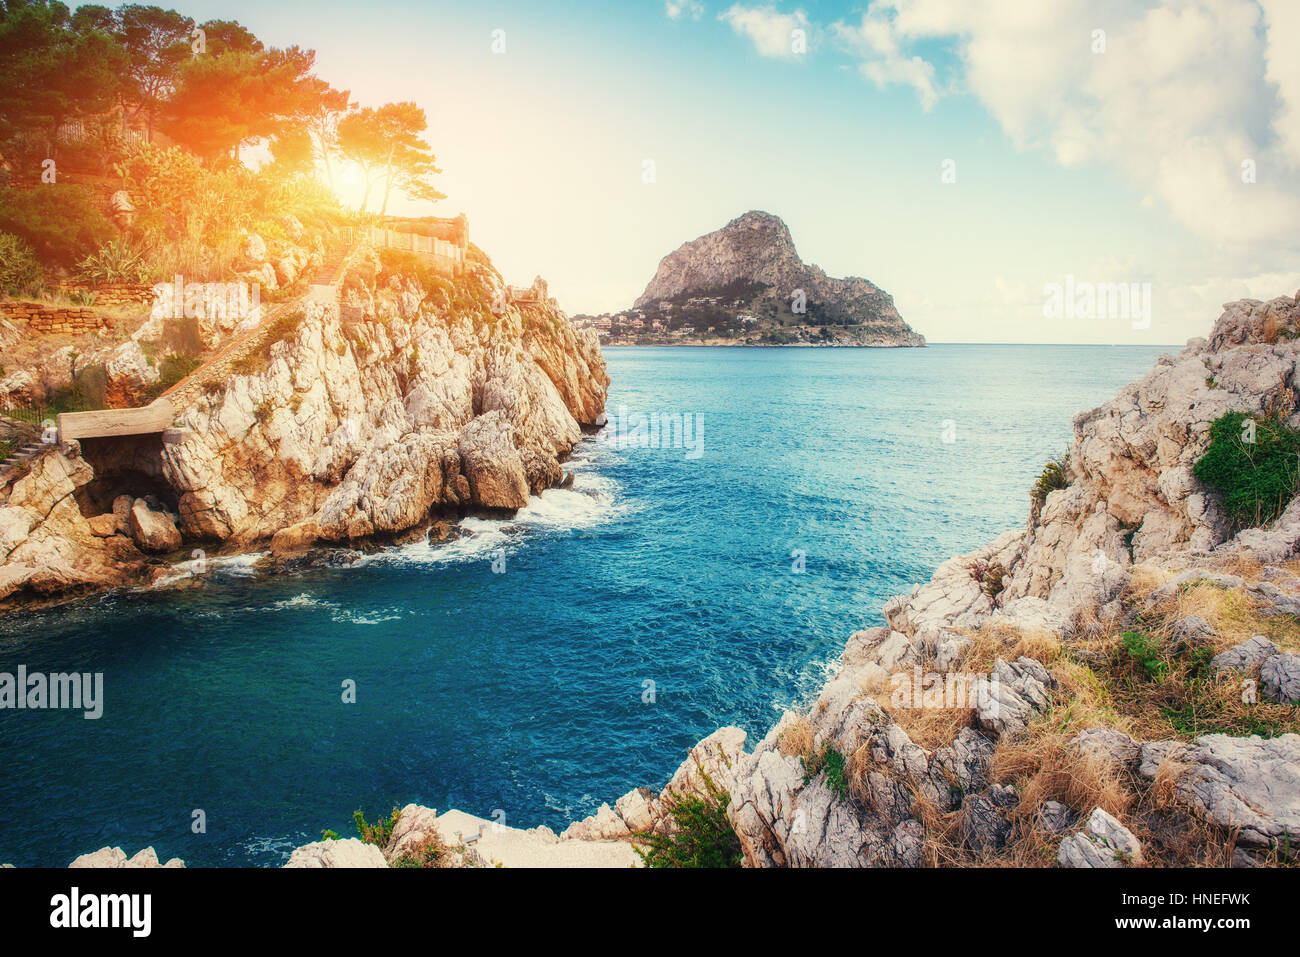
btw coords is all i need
(700, 836)
(1253, 463)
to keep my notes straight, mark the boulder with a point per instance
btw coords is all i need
(984, 823)
(102, 526)
(1104, 842)
(1245, 656)
(1279, 678)
(153, 530)
(349, 852)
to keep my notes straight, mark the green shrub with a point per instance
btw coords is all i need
(379, 832)
(115, 261)
(1053, 478)
(431, 852)
(60, 222)
(174, 368)
(20, 271)
(1146, 651)
(183, 336)
(1255, 479)
(703, 837)
(835, 776)
(86, 392)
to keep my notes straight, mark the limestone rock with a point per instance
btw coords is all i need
(1105, 842)
(349, 852)
(1055, 818)
(1245, 656)
(492, 464)
(1279, 678)
(102, 526)
(984, 823)
(115, 857)
(1249, 784)
(414, 825)
(153, 530)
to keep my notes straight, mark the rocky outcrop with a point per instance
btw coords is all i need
(410, 404)
(114, 857)
(421, 837)
(1251, 785)
(755, 251)
(347, 852)
(709, 768)
(47, 546)
(361, 428)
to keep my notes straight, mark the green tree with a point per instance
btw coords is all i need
(157, 44)
(227, 100)
(53, 67)
(323, 107)
(386, 144)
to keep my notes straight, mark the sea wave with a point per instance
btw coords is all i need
(592, 500)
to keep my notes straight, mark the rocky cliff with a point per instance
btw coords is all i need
(422, 397)
(1114, 684)
(755, 253)
(425, 399)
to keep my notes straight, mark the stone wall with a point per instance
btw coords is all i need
(48, 320)
(115, 293)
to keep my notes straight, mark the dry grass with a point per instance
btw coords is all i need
(1141, 679)
(1042, 767)
(933, 727)
(1000, 639)
(796, 737)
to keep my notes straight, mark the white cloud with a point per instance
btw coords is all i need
(881, 60)
(679, 8)
(1284, 70)
(1184, 93)
(771, 31)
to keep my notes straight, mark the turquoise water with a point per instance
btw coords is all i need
(523, 691)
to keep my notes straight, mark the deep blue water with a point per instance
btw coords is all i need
(523, 691)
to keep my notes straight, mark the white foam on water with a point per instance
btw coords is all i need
(302, 600)
(221, 566)
(592, 500)
(347, 616)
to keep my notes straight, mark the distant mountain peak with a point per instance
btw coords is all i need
(756, 251)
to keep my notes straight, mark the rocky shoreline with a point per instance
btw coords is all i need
(418, 402)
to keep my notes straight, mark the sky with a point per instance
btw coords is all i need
(970, 157)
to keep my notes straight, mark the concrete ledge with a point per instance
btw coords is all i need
(157, 416)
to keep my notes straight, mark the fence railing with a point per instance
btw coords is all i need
(27, 412)
(410, 242)
(78, 131)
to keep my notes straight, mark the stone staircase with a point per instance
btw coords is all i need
(219, 367)
(323, 287)
(13, 464)
(159, 415)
